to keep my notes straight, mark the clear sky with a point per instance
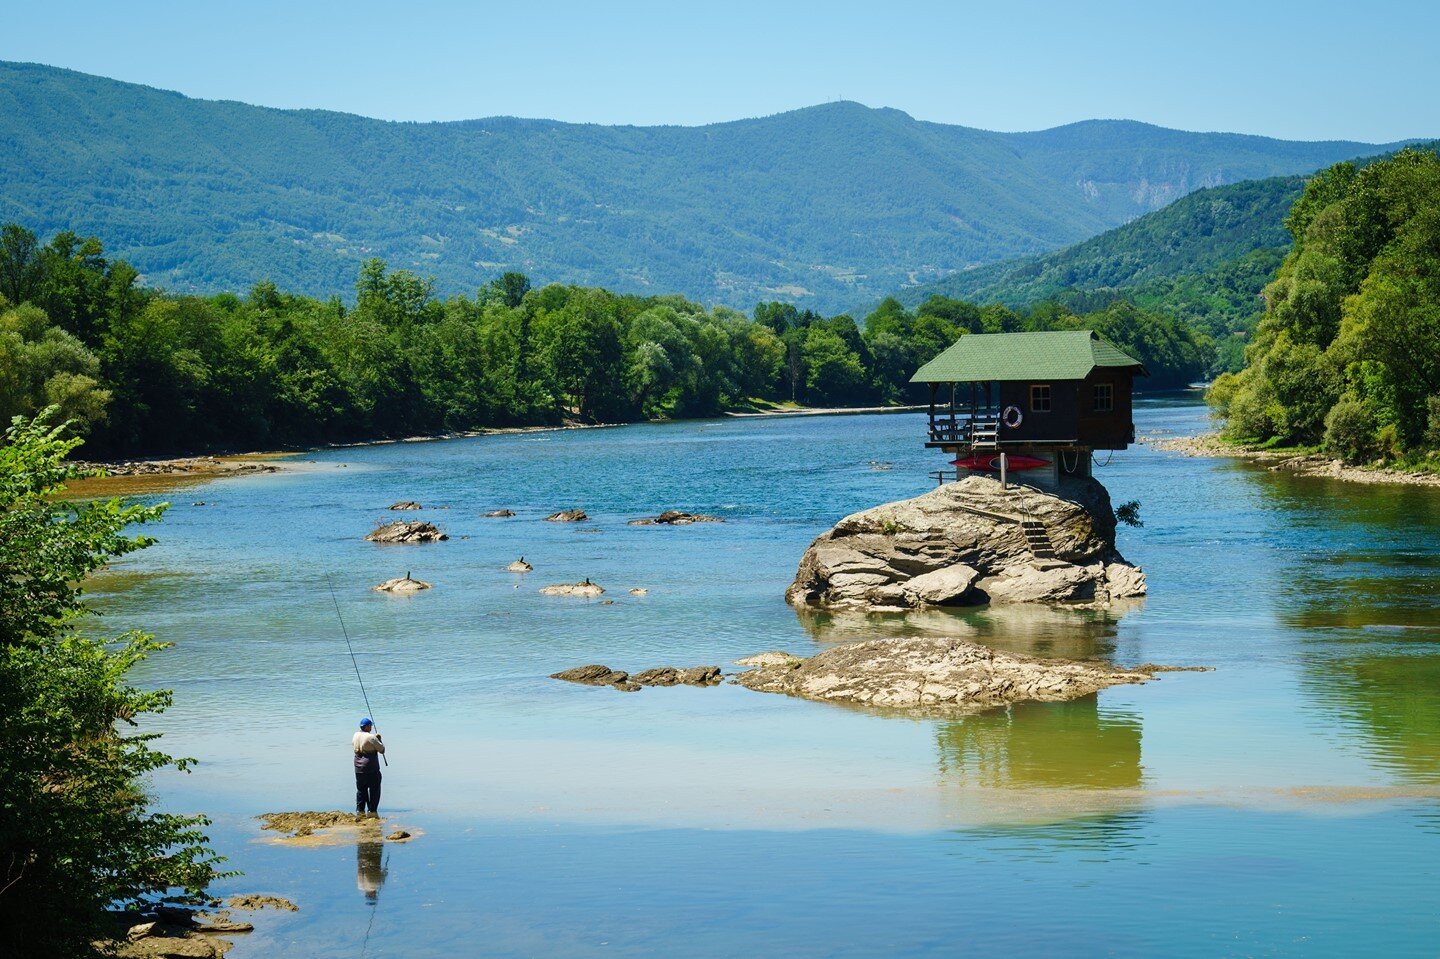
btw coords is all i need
(1300, 70)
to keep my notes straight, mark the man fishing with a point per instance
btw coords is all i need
(368, 749)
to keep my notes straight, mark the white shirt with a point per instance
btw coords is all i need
(364, 742)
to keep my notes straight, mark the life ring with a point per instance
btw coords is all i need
(1012, 417)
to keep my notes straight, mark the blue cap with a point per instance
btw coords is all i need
(365, 722)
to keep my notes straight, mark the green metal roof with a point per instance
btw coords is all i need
(1001, 357)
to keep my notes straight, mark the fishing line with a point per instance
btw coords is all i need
(353, 662)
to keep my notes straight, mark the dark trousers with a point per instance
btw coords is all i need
(367, 788)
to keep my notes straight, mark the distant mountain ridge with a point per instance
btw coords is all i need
(829, 206)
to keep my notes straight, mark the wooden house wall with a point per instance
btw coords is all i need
(1058, 425)
(1107, 431)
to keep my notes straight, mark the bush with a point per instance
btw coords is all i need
(77, 835)
(1350, 431)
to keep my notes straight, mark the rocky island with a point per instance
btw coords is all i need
(968, 543)
(929, 675)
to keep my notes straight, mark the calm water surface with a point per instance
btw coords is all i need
(1284, 804)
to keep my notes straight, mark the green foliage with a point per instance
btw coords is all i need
(42, 365)
(76, 831)
(156, 373)
(1348, 351)
(834, 205)
(1129, 513)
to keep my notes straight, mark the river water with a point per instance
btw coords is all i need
(1287, 803)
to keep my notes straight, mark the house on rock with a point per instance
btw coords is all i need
(1038, 403)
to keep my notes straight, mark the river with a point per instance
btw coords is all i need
(1287, 803)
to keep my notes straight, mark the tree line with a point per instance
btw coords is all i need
(1347, 354)
(142, 372)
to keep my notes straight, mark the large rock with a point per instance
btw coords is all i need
(963, 545)
(406, 531)
(932, 675)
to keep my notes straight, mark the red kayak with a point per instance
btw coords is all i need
(1014, 462)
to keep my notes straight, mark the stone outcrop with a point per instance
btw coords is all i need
(598, 675)
(674, 517)
(931, 675)
(402, 584)
(407, 531)
(406, 504)
(567, 516)
(584, 588)
(967, 543)
(519, 566)
(499, 514)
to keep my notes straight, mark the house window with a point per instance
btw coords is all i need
(1104, 397)
(1040, 399)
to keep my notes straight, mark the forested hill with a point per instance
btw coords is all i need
(830, 206)
(1203, 260)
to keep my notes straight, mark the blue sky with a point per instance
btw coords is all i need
(1316, 70)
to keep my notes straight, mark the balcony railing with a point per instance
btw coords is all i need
(979, 431)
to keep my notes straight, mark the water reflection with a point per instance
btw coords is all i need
(1050, 631)
(370, 873)
(1393, 701)
(1112, 836)
(1067, 745)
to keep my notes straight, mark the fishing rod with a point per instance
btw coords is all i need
(353, 662)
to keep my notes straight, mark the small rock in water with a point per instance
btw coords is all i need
(592, 675)
(639, 591)
(257, 902)
(403, 584)
(519, 566)
(406, 504)
(405, 531)
(774, 657)
(499, 513)
(585, 588)
(398, 835)
(597, 675)
(567, 516)
(220, 922)
(674, 517)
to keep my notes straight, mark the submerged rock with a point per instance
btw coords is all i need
(583, 588)
(406, 504)
(402, 584)
(407, 531)
(968, 543)
(519, 566)
(499, 513)
(567, 516)
(639, 591)
(674, 517)
(933, 675)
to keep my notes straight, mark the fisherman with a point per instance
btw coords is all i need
(368, 747)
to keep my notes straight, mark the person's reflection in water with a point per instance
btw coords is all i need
(369, 873)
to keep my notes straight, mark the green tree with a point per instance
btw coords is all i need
(77, 834)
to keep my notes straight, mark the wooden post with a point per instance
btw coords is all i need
(1003, 464)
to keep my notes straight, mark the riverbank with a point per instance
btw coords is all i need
(1289, 461)
(823, 411)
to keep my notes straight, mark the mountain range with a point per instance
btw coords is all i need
(830, 206)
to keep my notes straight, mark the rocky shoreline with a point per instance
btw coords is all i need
(1301, 464)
